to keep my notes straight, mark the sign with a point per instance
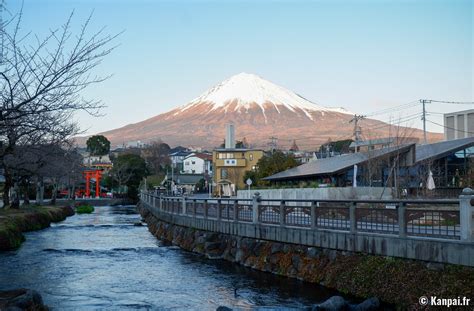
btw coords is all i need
(248, 181)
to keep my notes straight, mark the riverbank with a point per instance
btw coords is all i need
(15, 221)
(395, 281)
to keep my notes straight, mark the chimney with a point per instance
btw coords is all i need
(229, 136)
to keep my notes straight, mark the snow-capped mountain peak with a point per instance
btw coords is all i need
(248, 89)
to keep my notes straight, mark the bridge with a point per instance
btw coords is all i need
(428, 230)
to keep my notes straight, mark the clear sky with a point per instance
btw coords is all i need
(361, 55)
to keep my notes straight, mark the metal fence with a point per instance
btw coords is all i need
(413, 218)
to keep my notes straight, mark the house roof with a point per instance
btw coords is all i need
(188, 179)
(438, 150)
(180, 154)
(382, 141)
(335, 164)
(204, 156)
(178, 148)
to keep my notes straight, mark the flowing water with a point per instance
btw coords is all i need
(103, 261)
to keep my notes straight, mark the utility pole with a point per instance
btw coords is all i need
(2, 5)
(424, 102)
(273, 143)
(357, 129)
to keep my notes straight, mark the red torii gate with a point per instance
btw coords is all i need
(97, 174)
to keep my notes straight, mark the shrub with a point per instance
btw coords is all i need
(84, 209)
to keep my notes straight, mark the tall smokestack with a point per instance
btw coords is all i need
(229, 136)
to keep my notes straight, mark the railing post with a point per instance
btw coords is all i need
(218, 211)
(402, 224)
(466, 201)
(235, 215)
(255, 205)
(183, 209)
(313, 215)
(161, 203)
(352, 217)
(282, 213)
(194, 208)
(206, 211)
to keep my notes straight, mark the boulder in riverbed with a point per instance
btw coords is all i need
(21, 299)
(335, 303)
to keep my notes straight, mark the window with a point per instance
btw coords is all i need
(223, 173)
(187, 162)
(193, 162)
(230, 162)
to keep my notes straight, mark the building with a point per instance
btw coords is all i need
(450, 164)
(198, 163)
(339, 171)
(177, 159)
(459, 124)
(231, 163)
(380, 143)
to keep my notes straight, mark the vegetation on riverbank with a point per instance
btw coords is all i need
(84, 209)
(15, 221)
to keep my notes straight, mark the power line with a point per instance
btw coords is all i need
(450, 102)
(398, 122)
(392, 109)
(451, 128)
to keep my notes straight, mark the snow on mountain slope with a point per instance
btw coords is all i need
(248, 89)
(259, 109)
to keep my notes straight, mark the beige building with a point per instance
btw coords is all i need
(459, 124)
(231, 163)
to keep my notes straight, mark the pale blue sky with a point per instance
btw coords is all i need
(361, 55)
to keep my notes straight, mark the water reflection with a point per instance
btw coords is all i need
(103, 261)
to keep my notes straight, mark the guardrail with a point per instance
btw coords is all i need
(433, 219)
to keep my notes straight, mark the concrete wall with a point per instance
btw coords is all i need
(431, 250)
(333, 193)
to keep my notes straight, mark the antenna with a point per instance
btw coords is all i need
(273, 143)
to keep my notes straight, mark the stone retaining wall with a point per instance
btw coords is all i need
(396, 281)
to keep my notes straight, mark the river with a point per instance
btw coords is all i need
(103, 261)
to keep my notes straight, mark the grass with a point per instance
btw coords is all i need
(84, 209)
(27, 218)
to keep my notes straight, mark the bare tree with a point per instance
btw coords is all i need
(157, 155)
(121, 173)
(41, 81)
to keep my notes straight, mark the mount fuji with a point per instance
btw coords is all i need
(259, 109)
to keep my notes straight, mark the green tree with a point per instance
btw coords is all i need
(341, 146)
(98, 145)
(269, 165)
(129, 170)
(238, 144)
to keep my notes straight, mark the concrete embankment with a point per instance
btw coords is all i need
(397, 281)
(15, 221)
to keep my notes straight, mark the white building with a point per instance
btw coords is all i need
(198, 163)
(459, 124)
(177, 159)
